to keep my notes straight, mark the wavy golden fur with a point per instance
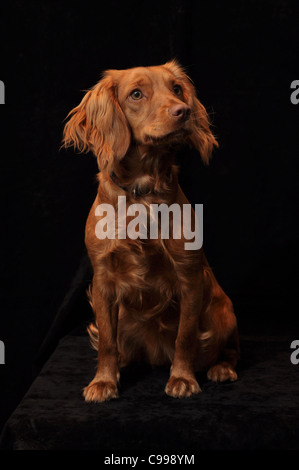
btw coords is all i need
(152, 299)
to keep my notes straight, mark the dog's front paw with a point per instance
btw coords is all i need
(99, 391)
(180, 387)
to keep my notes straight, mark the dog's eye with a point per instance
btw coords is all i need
(136, 95)
(177, 89)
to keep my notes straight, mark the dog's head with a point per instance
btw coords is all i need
(151, 106)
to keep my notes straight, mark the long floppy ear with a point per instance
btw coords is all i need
(99, 125)
(201, 136)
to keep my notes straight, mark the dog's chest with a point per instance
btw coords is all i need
(141, 277)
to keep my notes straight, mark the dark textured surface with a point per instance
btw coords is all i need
(259, 411)
(242, 58)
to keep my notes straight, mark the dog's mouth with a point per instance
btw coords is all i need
(176, 136)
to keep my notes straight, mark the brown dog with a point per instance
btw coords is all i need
(153, 300)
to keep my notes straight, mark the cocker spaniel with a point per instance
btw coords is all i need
(153, 299)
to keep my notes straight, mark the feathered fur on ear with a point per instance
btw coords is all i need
(201, 136)
(99, 125)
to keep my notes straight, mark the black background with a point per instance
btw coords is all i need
(242, 57)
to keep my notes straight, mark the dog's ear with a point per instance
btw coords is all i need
(201, 136)
(99, 125)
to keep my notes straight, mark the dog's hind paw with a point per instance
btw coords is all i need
(222, 372)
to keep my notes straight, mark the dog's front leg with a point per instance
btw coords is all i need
(104, 385)
(182, 382)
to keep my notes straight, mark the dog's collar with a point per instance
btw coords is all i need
(113, 176)
(135, 191)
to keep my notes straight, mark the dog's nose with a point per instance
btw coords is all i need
(180, 112)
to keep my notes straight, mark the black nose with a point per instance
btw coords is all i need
(180, 112)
